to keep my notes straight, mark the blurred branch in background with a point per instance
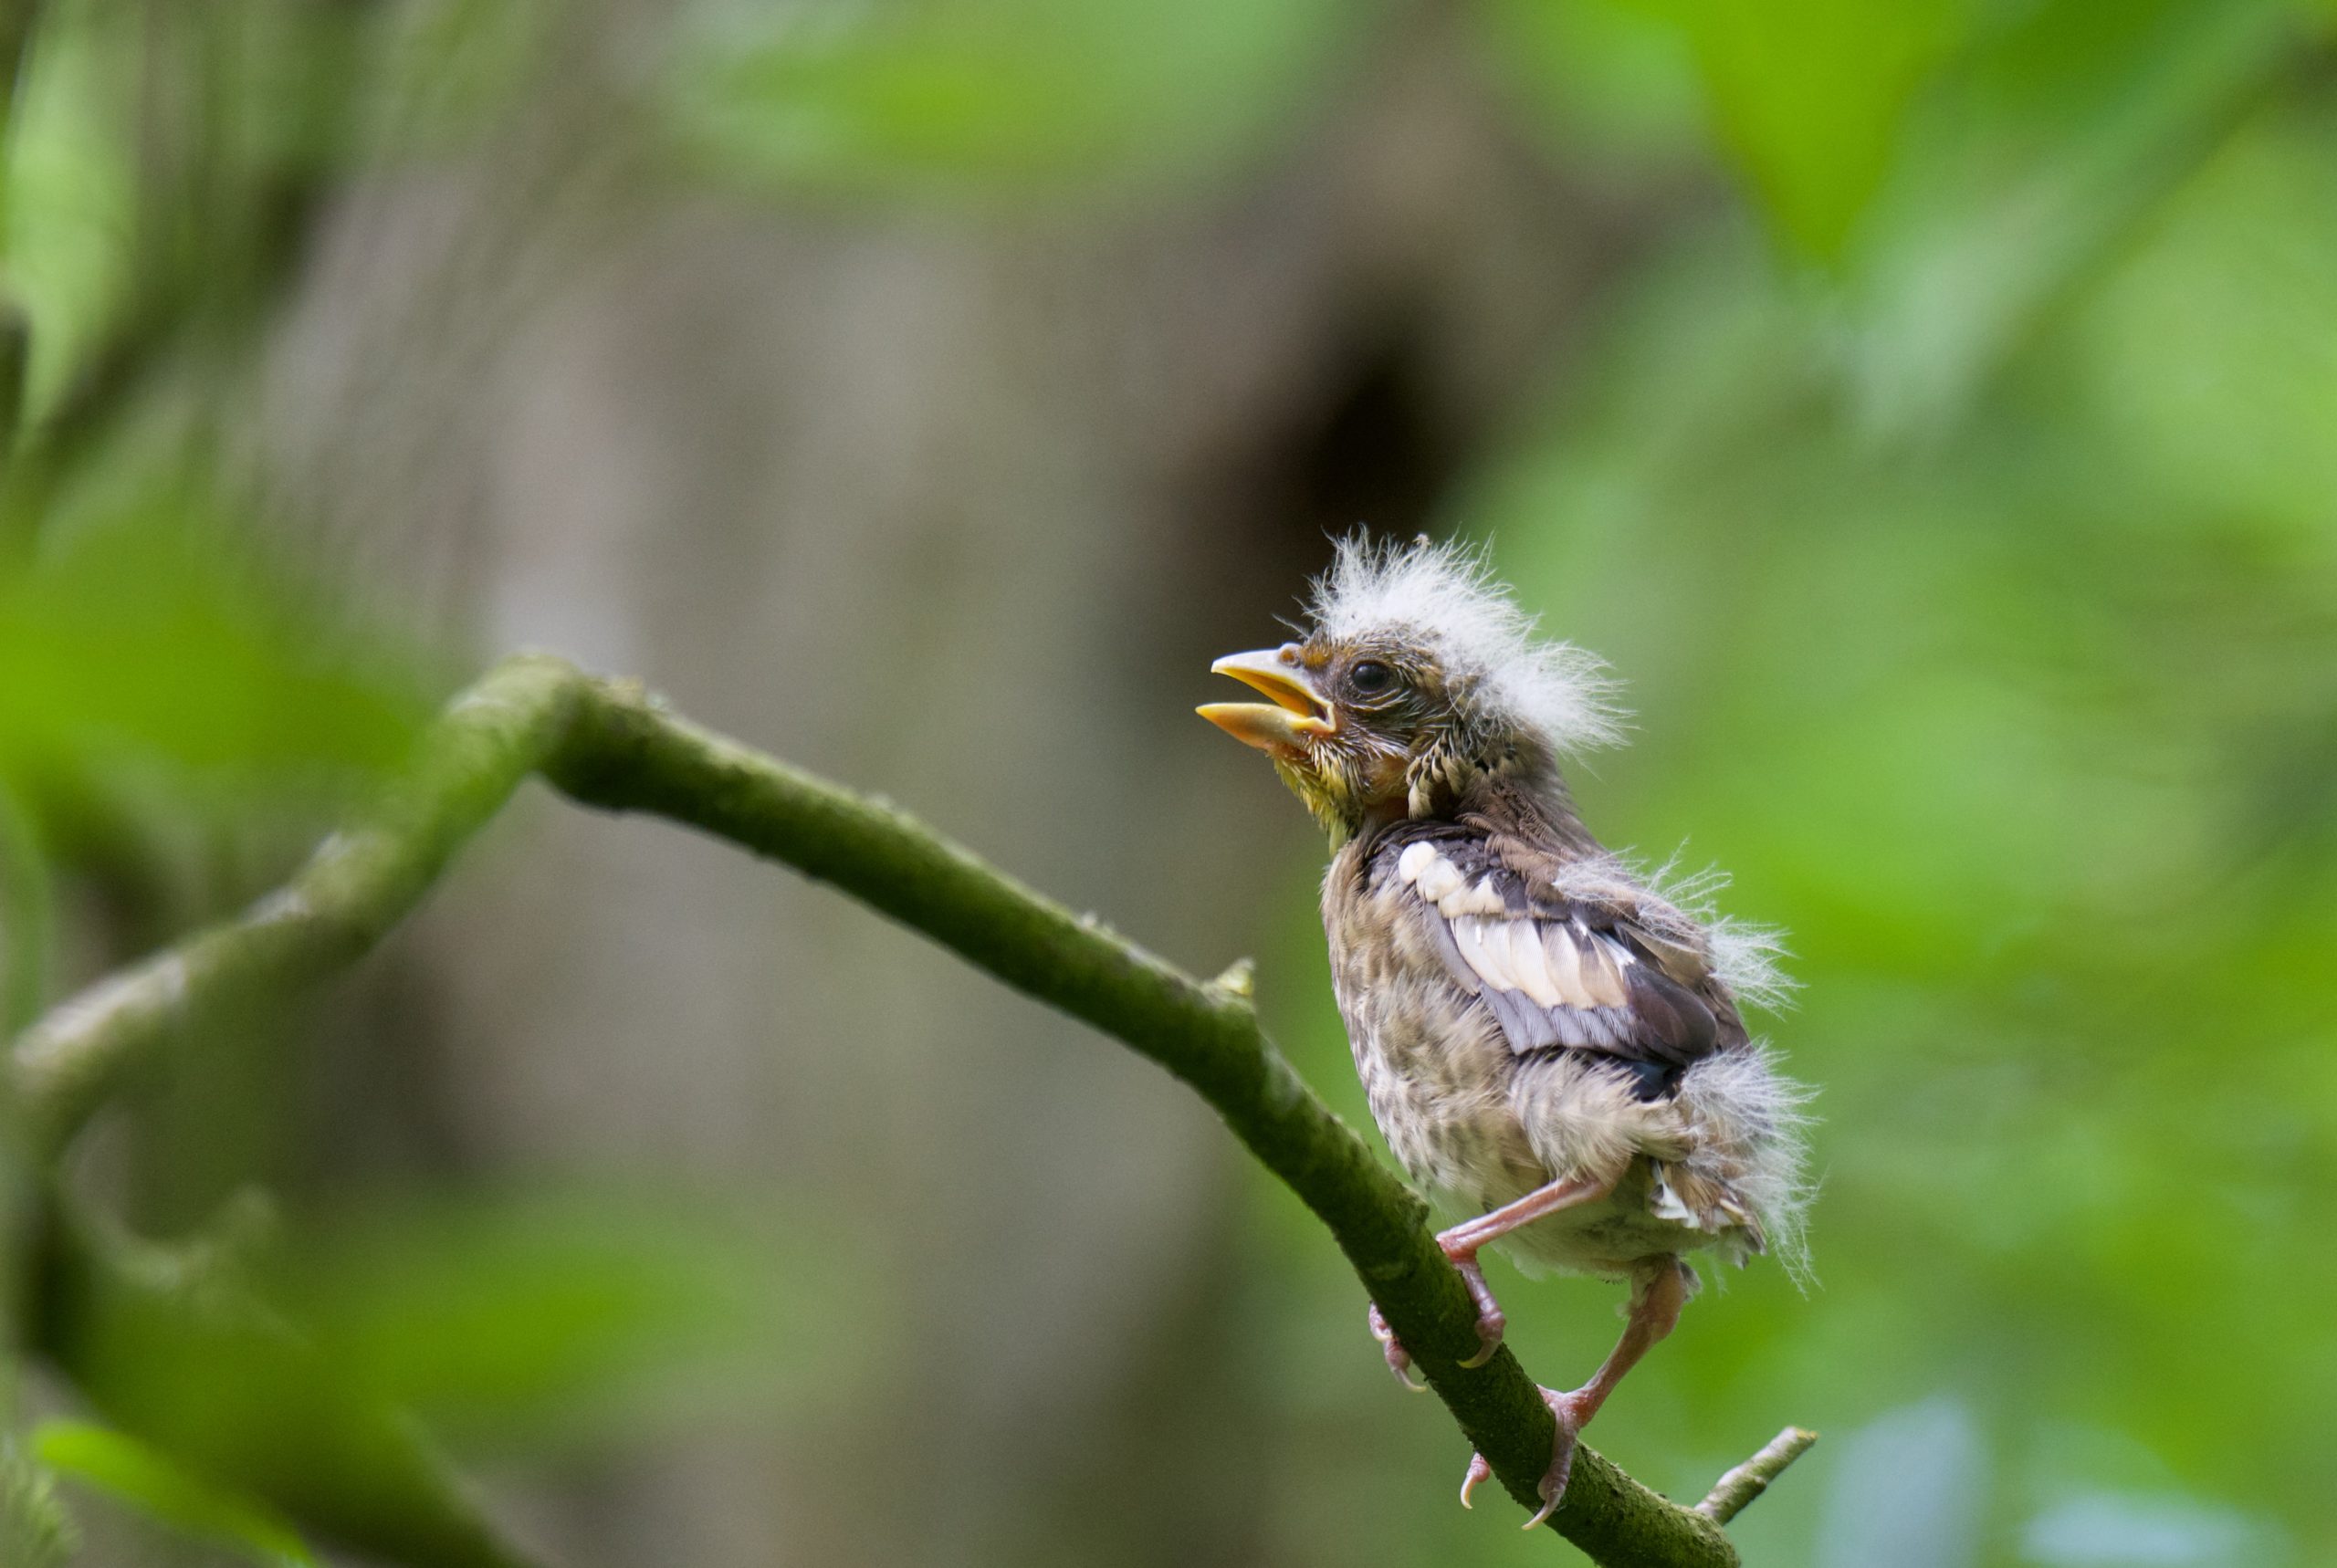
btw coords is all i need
(361, 882)
(609, 745)
(224, 1416)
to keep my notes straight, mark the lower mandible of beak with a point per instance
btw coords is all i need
(1266, 726)
(1287, 727)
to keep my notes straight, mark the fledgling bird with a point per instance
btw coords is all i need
(1550, 1042)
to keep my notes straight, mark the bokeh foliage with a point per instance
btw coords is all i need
(1955, 494)
(1962, 527)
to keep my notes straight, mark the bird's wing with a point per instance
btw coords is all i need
(1565, 970)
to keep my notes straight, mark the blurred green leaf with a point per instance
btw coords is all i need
(2063, 129)
(151, 634)
(68, 188)
(174, 1350)
(992, 92)
(148, 1480)
(572, 1316)
(1811, 96)
(2211, 354)
(1613, 83)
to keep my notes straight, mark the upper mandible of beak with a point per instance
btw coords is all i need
(1298, 715)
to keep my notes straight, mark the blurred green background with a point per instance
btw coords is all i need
(1929, 410)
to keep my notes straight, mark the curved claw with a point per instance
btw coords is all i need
(1554, 1480)
(1399, 1360)
(1553, 1487)
(1479, 1471)
(1488, 1345)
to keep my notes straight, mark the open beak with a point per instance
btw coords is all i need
(1286, 726)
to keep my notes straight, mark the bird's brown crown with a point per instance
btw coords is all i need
(1418, 682)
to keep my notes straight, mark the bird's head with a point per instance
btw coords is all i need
(1416, 680)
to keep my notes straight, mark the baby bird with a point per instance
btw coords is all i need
(1550, 1042)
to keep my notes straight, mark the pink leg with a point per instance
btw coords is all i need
(1657, 1295)
(1460, 1244)
(1539, 1204)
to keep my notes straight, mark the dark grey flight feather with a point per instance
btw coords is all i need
(1608, 984)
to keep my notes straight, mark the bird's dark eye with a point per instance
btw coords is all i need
(1370, 677)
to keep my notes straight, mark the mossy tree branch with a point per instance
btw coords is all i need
(611, 745)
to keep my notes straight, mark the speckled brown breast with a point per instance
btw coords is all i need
(1472, 1120)
(1434, 1065)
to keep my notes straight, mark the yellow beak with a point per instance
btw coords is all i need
(1298, 715)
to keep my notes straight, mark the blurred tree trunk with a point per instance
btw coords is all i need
(958, 507)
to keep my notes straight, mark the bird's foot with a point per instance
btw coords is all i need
(1567, 1409)
(1399, 1360)
(1491, 1320)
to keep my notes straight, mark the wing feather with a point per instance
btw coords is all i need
(1555, 971)
(1477, 949)
(1528, 963)
(1565, 965)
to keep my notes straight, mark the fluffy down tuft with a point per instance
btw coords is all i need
(1681, 907)
(1754, 1137)
(1445, 597)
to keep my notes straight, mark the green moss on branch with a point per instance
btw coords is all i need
(611, 745)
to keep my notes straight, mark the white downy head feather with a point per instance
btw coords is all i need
(1446, 598)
